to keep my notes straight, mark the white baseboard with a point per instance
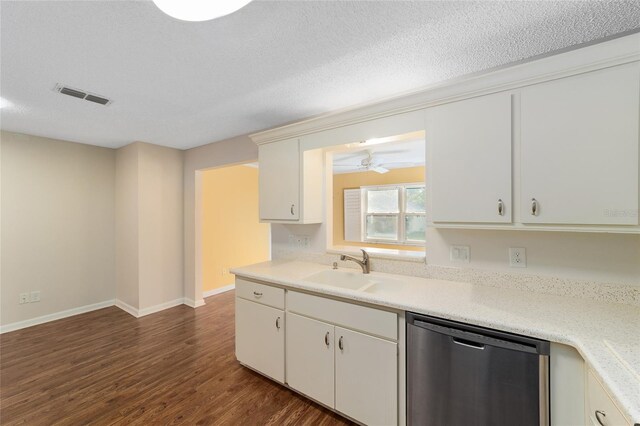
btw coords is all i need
(194, 303)
(127, 308)
(218, 290)
(150, 310)
(160, 307)
(55, 316)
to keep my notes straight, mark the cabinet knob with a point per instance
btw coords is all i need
(340, 345)
(603, 414)
(534, 207)
(326, 339)
(292, 205)
(256, 294)
(500, 207)
(278, 323)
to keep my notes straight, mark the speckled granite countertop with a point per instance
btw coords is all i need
(607, 335)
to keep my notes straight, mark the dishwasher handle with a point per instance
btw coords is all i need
(476, 340)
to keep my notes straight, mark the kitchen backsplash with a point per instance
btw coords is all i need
(606, 292)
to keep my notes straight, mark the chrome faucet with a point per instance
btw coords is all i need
(364, 263)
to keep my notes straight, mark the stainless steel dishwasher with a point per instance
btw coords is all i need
(459, 374)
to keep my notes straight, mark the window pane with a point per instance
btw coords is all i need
(382, 227)
(415, 227)
(416, 200)
(382, 201)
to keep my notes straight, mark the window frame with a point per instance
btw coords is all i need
(400, 216)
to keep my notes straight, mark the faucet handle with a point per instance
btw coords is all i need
(365, 255)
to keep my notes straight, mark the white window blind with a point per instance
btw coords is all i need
(352, 215)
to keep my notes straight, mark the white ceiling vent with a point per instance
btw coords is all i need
(82, 94)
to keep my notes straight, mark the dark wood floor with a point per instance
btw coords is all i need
(174, 367)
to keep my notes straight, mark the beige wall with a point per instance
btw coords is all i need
(231, 151)
(160, 189)
(57, 225)
(127, 263)
(149, 225)
(232, 234)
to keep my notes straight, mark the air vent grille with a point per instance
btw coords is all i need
(97, 99)
(80, 94)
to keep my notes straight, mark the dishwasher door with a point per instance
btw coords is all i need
(465, 375)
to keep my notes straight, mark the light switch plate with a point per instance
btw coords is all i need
(459, 254)
(517, 257)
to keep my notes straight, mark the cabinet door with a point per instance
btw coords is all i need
(260, 338)
(579, 152)
(279, 180)
(470, 166)
(366, 378)
(310, 358)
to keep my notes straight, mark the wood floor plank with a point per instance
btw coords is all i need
(174, 367)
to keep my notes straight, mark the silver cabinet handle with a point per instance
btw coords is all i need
(598, 414)
(534, 207)
(500, 207)
(278, 323)
(326, 339)
(256, 294)
(340, 345)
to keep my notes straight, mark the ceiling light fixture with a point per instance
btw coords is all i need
(5, 103)
(199, 10)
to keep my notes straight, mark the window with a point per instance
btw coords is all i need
(394, 214)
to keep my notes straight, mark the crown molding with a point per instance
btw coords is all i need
(561, 64)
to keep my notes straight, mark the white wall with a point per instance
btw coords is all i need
(231, 151)
(57, 225)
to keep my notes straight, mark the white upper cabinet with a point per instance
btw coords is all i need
(290, 183)
(579, 149)
(469, 160)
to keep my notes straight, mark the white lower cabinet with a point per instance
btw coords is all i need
(260, 338)
(601, 410)
(310, 358)
(366, 377)
(340, 354)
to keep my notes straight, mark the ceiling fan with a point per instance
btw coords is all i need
(369, 164)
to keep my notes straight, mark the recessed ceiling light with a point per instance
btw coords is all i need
(199, 10)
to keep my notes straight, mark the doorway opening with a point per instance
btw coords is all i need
(231, 234)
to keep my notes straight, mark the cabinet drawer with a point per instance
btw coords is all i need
(599, 400)
(260, 293)
(361, 318)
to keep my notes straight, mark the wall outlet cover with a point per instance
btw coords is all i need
(460, 254)
(35, 296)
(517, 257)
(24, 298)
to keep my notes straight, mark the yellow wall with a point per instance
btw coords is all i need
(232, 234)
(355, 180)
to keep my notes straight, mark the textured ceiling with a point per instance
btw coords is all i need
(185, 84)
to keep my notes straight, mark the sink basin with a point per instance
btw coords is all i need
(356, 280)
(352, 280)
(387, 286)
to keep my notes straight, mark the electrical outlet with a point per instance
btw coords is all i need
(35, 296)
(299, 241)
(24, 298)
(460, 254)
(517, 257)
